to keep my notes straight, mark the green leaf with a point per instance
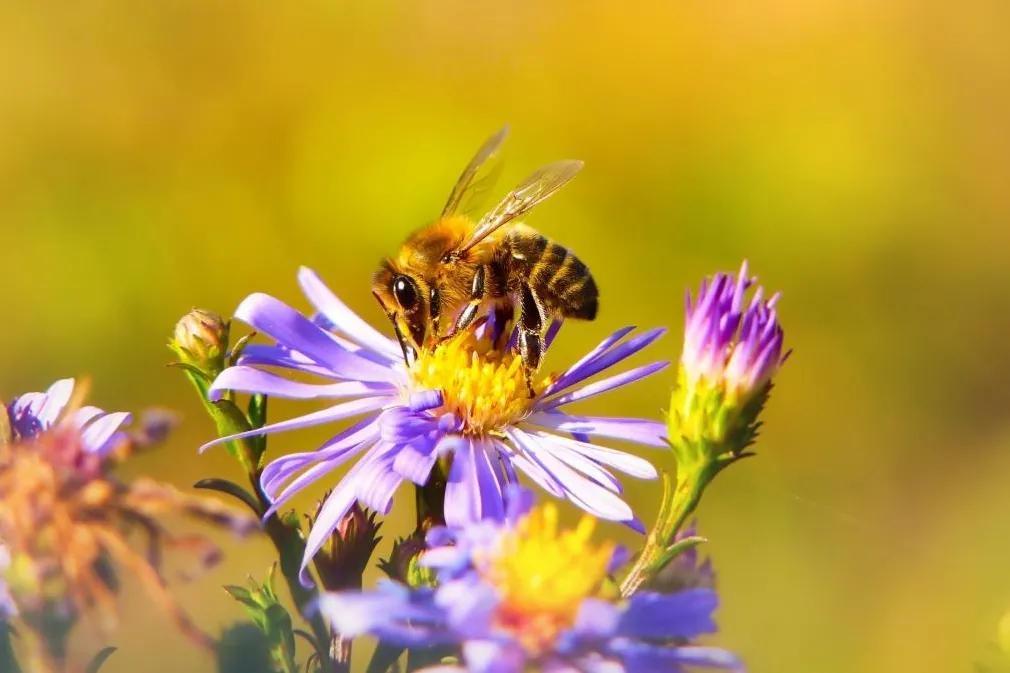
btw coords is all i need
(99, 660)
(232, 489)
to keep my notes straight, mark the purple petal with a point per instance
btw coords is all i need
(343, 318)
(100, 436)
(603, 385)
(520, 459)
(251, 380)
(489, 656)
(625, 462)
(684, 614)
(607, 359)
(377, 482)
(647, 658)
(415, 460)
(600, 348)
(315, 464)
(491, 488)
(334, 413)
(578, 462)
(472, 492)
(650, 433)
(55, 400)
(585, 493)
(85, 415)
(290, 328)
(272, 355)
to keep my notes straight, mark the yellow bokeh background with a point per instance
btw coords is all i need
(156, 156)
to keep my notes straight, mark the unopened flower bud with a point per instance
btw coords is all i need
(201, 340)
(731, 352)
(403, 564)
(341, 563)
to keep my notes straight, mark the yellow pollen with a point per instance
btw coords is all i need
(484, 387)
(542, 575)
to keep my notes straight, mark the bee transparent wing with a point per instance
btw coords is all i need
(531, 191)
(478, 176)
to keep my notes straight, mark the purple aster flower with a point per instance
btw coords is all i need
(34, 413)
(523, 594)
(464, 399)
(728, 344)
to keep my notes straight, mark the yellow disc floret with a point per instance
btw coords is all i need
(484, 387)
(542, 575)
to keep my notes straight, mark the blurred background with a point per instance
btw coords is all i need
(163, 155)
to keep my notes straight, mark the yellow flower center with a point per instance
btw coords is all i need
(485, 388)
(542, 575)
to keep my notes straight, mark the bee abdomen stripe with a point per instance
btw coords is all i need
(572, 271)
(548, 265)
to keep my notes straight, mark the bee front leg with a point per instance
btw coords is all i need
(469, 312)
(531, 340)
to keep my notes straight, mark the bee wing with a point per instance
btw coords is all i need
(469, 185)
(531, 191)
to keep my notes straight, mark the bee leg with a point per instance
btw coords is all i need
(469, 311)
(531, 341)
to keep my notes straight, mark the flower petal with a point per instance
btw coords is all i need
(582, 491)
(684, 614)
(641, 431)
(246, 379)
(620, 460)
(334, 413)
(293, 330)
(55, 400)
(472, 492)
(344, 319)
(603, 385)
(101, 434)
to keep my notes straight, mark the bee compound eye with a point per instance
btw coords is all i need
(405, 291)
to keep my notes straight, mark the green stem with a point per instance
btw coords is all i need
(677, 507)
(290, 549)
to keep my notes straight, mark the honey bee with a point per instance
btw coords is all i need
(454, 269)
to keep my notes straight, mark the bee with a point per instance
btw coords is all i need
(453, 270)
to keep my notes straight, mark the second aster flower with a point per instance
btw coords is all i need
(464, 402)
(526, 594)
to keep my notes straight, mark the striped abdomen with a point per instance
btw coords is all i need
(558, 278)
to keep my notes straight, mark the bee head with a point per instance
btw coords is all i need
(407, 302)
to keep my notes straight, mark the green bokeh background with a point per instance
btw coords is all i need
(159, 156)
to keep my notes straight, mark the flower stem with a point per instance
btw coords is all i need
(680, 499)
